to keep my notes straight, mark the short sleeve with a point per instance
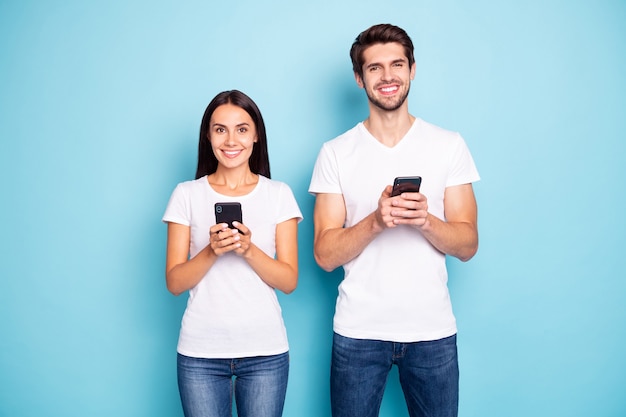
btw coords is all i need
(462, 167)
(325, 178)
(178, 208)
(289, 208)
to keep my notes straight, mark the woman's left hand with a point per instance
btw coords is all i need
(224, 240)
(244, 242)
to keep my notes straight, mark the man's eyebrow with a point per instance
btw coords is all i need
(395, 61)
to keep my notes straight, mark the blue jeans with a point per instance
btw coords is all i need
(429, 376)
(259, 385)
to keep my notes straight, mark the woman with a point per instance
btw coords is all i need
(232, 338)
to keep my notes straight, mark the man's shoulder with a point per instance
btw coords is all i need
(425, 126)
(346, 138)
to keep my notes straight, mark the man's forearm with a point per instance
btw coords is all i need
(458, 239)
(336, 247)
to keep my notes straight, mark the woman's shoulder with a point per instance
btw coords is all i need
(271, 183)
(191, 184)
(279, 196)
(190, 187)
(274, 186)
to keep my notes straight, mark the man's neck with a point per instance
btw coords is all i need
(389, 127)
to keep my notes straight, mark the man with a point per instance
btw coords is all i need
(393, 306)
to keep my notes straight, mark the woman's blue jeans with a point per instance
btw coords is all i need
(429, 376)
(259, 385)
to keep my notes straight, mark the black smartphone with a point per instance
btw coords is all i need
(228, 213)
(406, 185)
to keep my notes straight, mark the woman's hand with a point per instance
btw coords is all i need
(280, 272)
(224, 240)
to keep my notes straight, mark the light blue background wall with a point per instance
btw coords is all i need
(100, 105)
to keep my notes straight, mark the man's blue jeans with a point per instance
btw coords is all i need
(259, 384)
(429, 376)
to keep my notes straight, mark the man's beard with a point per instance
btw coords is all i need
(386, 104)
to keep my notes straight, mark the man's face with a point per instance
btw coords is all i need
(386, 75)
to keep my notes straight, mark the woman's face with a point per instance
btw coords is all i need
(232, 134)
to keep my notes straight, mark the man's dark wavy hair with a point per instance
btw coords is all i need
(383, 33)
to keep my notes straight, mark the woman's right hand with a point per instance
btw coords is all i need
(223, 239)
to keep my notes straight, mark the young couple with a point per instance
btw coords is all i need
(393, 306)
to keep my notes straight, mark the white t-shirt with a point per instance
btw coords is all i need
(396, 289)
(231, 312)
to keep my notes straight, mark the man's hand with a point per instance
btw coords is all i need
(409, 208)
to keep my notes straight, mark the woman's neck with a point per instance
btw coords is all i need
(233, 182)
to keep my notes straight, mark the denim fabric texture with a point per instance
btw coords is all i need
(258, 384)
(429, 376)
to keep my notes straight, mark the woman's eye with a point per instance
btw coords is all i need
(219, 130)
(242, 130)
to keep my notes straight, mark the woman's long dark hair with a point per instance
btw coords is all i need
(259, 160)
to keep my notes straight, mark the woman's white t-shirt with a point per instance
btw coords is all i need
(231, 312)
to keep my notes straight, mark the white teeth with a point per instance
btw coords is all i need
(388, 89)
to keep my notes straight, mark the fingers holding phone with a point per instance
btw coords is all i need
(229, 233)
(245, 238)
(409, 207)
(402, 203)
(223, 239)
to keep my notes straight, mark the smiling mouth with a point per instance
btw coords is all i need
(231, 154)
(389, 90)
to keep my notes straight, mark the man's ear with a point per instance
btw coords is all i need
(359, 80)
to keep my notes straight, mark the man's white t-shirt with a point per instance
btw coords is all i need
(231, 312)
(396, 289)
